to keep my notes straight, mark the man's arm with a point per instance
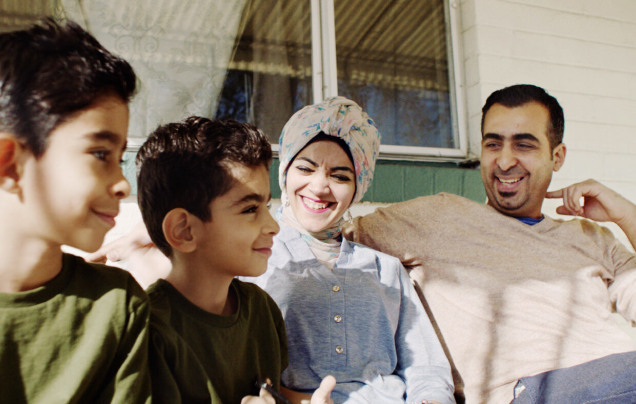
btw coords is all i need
(600, 204)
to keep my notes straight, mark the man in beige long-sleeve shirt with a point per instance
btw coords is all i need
(513, 293)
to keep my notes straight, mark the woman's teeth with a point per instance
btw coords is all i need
(314, 205)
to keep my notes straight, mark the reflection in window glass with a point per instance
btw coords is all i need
(392, 59)
(269, 76)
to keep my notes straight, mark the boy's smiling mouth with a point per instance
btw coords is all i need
(264, 250)
(106, 216)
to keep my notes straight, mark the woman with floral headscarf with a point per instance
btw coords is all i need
(350, 311)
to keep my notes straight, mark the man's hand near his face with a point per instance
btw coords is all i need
(600, 204)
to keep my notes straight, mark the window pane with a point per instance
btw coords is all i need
(392, 59)
(269, 76)
(249, 60)
(20, 14)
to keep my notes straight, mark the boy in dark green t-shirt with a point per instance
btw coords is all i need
(69, 331)
(203, 189)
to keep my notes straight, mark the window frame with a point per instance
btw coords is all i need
(327, 50)
(325, 83)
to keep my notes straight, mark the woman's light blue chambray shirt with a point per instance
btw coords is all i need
(362, 323)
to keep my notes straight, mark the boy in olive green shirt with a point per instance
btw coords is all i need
(70, 331)
(203, 190)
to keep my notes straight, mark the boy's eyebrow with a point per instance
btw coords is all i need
(108, 136)
(104, 135)
(253, 197)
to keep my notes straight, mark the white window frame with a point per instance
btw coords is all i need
(325, 80)
(325, 83)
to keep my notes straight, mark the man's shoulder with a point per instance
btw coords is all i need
(440, 204)
(580, 227)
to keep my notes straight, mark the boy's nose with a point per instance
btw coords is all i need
(271, 225)
(121, 187)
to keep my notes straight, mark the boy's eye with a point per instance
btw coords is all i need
(101, 154)
(250, 209)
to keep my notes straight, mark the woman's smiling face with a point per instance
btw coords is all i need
(320, 185)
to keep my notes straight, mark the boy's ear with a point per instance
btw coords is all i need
(177, 228)
(10, 151)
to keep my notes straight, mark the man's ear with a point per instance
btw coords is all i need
(558, 155)
(177, 228)
(10, 151)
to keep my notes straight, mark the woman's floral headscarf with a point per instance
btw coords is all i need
(339, 117)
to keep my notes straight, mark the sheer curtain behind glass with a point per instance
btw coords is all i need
(249, 60)
(392, 59)
(180, 50)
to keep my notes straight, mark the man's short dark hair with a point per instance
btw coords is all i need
(51, 71)
(188, 164)
(521, 94)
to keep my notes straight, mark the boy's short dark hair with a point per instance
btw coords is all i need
(51, 71)
(521, 94)
(187, 165)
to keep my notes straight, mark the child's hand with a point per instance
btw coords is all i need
(263, 398)
(323, 394)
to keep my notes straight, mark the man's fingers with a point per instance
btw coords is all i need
(554, 194)
(572, 200)
(562, 210)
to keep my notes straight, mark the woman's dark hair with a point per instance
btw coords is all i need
(51, 71)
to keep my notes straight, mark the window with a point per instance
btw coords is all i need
(392, 57)
(259, 61)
